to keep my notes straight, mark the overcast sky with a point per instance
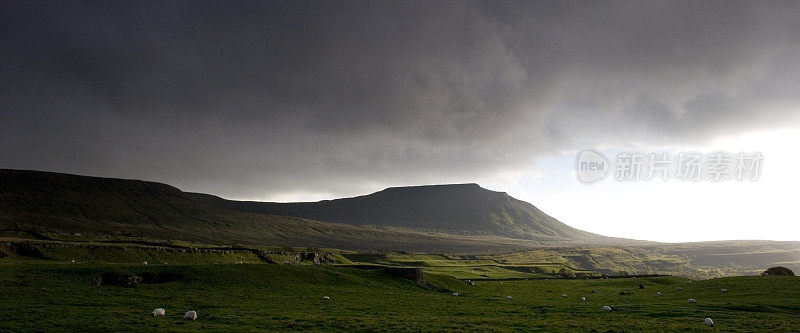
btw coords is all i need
(296, 100)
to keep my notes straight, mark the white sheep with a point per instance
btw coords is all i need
(564, 295)
(325, 297)
(73, 260)
(159, 312)
(709, 322)
(583, 299)
(691, 300)
(658, 293)
(724, 291)
(144, 263)
(501, 282)
(190, 315)
(455, 294)
(509, 297)
(606, 308)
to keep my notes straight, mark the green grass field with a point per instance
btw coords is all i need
(47, 295)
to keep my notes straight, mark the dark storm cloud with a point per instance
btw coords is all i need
(255, 99)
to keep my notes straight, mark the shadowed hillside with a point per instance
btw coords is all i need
(457, 208)
(53, 203)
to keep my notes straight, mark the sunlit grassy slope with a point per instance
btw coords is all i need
(592, 261)
(246, 297)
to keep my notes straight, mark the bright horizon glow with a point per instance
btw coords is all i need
(677, 211)
(649, 210)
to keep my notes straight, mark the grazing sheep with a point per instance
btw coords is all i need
(606, 308)
(509, 297)
(325, 297)
(709, 322)
(692, 301)
(158, 312)
(73, 260)
(564, 295)
(583, 299)
(190, 315)
(678, 288)
(501, 282)
(455, 294)
(658, 293)
(724, 291)
(144, 263)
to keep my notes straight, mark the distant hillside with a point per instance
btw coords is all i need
(52, 203)
(462, 218)
(457, 208)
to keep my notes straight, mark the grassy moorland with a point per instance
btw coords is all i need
(548, 262)
(72, 253)
(40, 295)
